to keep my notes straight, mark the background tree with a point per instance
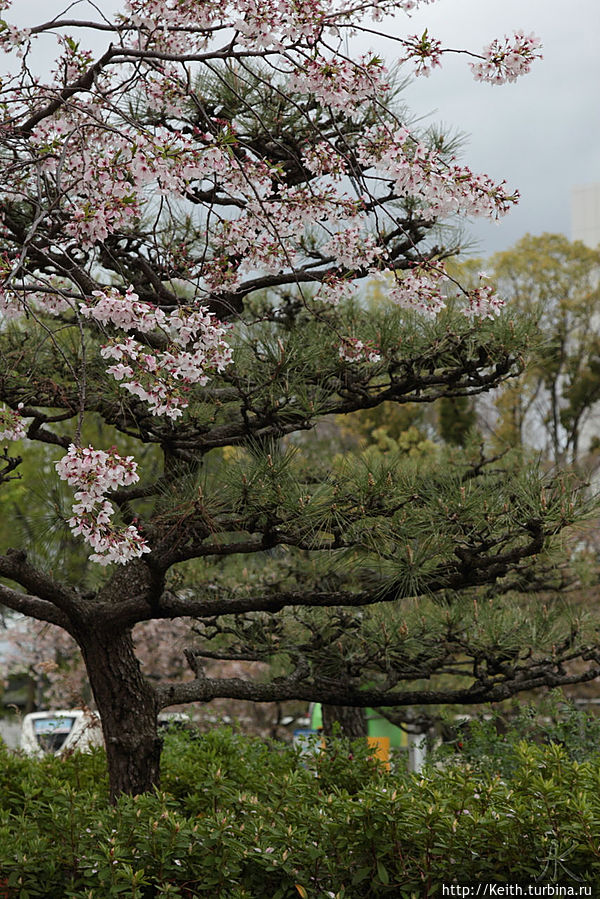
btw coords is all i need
(556, 282)
(186, 220)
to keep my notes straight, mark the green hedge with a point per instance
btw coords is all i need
(237, 817)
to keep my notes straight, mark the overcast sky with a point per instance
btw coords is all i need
(542, 133)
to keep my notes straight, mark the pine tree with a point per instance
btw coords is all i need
(182, 255)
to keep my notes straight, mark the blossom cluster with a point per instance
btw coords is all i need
(324, 159)
(161, 24)
(112, 177)
(351, 247)
(11, 37)
(269, 235)
(10, 307)
(352, 349)
(165, 91)
(178, 25)
(426, 289)
(73, 61)
(507, 60)
(483, 301)
(500, 61)
(427, 52)
(94, 473)
(128, 158)
(442, 185)
(50, 303)
(12, 426)
(195, 347)
(419, 289)
(16, 304)
(333, 290)
(340, 83)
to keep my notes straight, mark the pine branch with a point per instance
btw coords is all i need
(205, 689)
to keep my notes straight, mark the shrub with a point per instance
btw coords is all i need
(492, 740)
(238, 818)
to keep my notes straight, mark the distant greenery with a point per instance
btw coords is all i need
(238, 817)
(493, 742)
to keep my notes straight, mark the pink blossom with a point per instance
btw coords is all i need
(420, 290)
(12, 426)
(195, 347)
(96, 472)
(483, 301)
(352, 349)
(338, 82)
(427, 52)
(110, 174)
(506, 61)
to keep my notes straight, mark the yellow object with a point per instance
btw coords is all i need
(381, 747)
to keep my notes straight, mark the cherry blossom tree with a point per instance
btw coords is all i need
(186, 220)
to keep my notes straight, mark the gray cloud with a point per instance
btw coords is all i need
(542, 133)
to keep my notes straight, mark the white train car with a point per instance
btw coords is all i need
(60, 731)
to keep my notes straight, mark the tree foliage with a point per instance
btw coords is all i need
(556, 283)
(187, 223)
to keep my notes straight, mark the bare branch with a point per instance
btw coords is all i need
(83, 83)
(8, 466)
(205, 689)
(33, 607)
(15, 567)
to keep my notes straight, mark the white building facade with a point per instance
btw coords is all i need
(585, 214)
(585, 226)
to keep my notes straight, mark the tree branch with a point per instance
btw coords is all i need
(83, 83)
(15, 567)
(205, 689)
(9, 465)
(471, 571)
(33, 607)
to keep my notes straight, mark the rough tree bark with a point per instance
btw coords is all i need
(351, 720)
(128, 708)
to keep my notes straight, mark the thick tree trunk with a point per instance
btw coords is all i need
(128, 709)
(352, 721)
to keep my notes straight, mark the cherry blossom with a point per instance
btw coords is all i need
(195, 346)
(94, 473)
(352, 349)
(50, 303)
(10, 307)
(121, 150)
(443, 186)
(334, 290)
(499, 62)
(12, 426)
(508, 60)
(426, 51)
(352, 247)
(339, 83)
(419, 289)
(483, 301)
(11, 37)
(322, 159)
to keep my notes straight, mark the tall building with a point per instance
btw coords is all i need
(585, 226)
(585, 214)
